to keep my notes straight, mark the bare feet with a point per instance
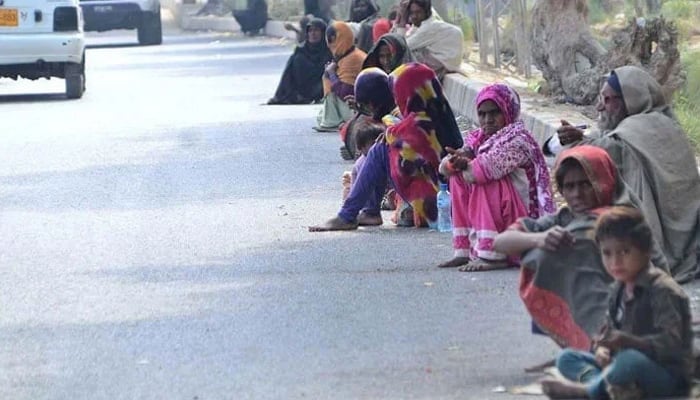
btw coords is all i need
(364, 219)
(541, 367)
(560, 389)
(334, 224)
(454, 262)
(484, 265)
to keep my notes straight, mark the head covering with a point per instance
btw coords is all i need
(417, 90)
(321, 46)
(400, 52)
(641, 92)
(380, 28)
(344, 40)
(599, 169)
(614, 82)
(507, 100)
(372, 8)
(372, 85)
(416, 143)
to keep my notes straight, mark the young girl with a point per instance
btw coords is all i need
(645, 346)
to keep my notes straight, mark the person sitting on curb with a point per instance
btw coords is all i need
(363, 15)
(301, 79)
(367, 134)
(409, 152)
(434, 42)
(498, 177)
(645, 346)
(642, 136)
(339, 77)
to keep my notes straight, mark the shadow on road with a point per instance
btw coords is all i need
(111, 45)
(32, 98)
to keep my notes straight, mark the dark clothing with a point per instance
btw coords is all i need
(301, 80)
(400, 53)
(314, 8)
(365, 38)
(659, 313)
(253, 18)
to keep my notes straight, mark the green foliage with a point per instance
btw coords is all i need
(687, 101)
(467, 29)
(596, 13)
(678, 9)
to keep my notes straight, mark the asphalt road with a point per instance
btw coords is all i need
(155, 247)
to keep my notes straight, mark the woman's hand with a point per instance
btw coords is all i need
(555, 238)
(460, 158)
(331, 68)
(568, 133)
(602, 356)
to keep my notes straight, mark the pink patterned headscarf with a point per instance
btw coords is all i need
(507, 100)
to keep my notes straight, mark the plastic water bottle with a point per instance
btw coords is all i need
(444, 205)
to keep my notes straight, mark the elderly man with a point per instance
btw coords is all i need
(640, 133)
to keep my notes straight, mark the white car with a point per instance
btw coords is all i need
(43, 39)
(142, 15)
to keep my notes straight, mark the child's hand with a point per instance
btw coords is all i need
(602, 356)
(555, 238)
(614, 340)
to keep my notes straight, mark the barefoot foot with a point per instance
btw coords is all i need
(561, 389)
(334, 224)
(454, 262)
(484, 265)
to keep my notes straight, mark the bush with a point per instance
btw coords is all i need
(687, 100)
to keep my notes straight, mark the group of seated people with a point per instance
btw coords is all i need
(600, 275)
(631, 217)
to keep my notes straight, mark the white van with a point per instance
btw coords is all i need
(43, 39)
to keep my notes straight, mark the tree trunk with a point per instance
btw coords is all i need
(564, 49)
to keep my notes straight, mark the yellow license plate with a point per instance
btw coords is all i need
(8, 17)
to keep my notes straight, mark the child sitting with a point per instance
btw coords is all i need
(645, 346)
(365, 137)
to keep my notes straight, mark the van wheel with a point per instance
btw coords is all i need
(75, 81)
(151, 30)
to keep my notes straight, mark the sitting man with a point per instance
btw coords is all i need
(642, 136)
(433, 42)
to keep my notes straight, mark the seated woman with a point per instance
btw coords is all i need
(339, 77)
(433, 42)
(387, 54)
(301, 79)
(561, 266)
(408, 154)
(253, 18)
(498, 177)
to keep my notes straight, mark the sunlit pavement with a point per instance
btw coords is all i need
(156, 247)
